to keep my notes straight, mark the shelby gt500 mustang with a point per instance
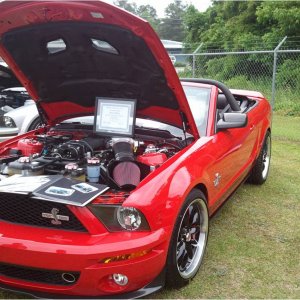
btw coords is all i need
(120, 205)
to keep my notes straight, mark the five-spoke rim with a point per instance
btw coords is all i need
(191, 239)
(266, 157)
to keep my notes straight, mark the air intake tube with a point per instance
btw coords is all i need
(123, 149)
(126, 172)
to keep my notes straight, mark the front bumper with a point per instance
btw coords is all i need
(54, 250)
(156, 285)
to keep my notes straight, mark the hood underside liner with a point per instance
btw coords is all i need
(81, 72)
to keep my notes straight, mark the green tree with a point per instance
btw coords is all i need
(127, 5)
(242, 25)
(149, 13)
(172, 27)
(280, 18)
(194, 24)
(146, 12)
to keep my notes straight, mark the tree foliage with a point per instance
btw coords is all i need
(242, 25)
(146, 12)
(127, 5)
(171, 27)
(149, 13)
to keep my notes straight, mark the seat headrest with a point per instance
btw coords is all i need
(222, 101)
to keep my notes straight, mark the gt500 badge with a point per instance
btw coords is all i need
(56, 218)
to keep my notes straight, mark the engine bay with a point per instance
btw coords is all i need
(119, 162)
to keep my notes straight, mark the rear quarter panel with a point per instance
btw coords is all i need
(261, 117)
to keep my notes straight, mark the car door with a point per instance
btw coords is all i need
(233, 151)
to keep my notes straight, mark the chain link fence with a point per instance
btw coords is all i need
(275, 73)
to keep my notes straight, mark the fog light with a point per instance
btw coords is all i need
(120, 279)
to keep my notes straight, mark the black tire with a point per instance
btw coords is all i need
(260, 171)
(188, 241)
(35, 124)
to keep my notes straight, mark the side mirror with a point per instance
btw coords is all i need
(232, 120)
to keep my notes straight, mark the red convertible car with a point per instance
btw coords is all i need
(118, 207)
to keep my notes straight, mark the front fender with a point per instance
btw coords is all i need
(161, 195)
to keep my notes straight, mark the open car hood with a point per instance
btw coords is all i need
(7, 78)
(68, 53)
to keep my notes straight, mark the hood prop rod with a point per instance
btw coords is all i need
(42, 113)
(184, 125)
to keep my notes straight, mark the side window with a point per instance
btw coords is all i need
(198, 99)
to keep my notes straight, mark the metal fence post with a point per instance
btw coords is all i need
(274, 71)
(194, 58)
(194, 65)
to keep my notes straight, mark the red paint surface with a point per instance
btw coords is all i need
(29, 146)
(152, 159)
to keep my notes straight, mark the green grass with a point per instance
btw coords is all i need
(254, 244)
(286, 128)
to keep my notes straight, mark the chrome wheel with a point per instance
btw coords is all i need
(192, 238)
(266, 157)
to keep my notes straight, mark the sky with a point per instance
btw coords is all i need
(160, 5)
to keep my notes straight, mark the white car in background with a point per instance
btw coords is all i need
(18, 113)
(19, 120)
(173, 59)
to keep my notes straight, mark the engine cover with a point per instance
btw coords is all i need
(29, 146)
(152, 159)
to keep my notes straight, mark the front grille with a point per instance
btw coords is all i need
(39, 275)
(22, 209)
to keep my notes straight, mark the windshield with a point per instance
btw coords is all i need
(198, 99)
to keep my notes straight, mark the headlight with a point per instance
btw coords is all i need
(120, 218)
(7, 121)
(129, 218)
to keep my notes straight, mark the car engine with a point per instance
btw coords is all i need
(121, 163)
